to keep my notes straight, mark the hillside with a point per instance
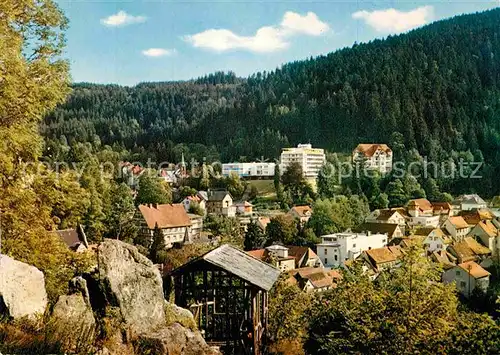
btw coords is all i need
(439, 86)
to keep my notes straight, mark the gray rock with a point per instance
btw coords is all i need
(133, 284)
(73, 322)
(22, 289)
(173, 340)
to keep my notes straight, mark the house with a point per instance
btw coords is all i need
(193, 200)
(467, 276)
(457, 228)
(244, 207)
(196, 226)
(313, 279)
(433, 238)
(389, 215)
(304, 257)
(445, 259)
(421, 213)
(391, 229)
(442, 208)
(489, 234)
(302, 213)
(336, 249)
(131, 173)
(473, 217)
(262, 222)
(172, 220)
(470, 250)
(379, 259)
(310, 159)
(74, 238)
(468, 202)
(276, 255)
(220, 202)
(373, 156)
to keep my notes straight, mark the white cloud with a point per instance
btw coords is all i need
(158, 52)
(266, 39)
(121, 18)
(309, 24)
(395, 21)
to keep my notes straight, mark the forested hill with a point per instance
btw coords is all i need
(439, 86)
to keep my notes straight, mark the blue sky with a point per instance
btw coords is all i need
(131, 41)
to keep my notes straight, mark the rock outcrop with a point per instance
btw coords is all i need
(132, 283)
(72, 321)
(173, 340)
(22, 289)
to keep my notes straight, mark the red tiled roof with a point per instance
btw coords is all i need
(474, 269)
(302, 211)
(165, 216)
(421, 203)
(458, 222)
(370, 149)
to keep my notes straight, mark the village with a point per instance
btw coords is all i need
(462, 237)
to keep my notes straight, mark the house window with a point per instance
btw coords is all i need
(326, 251)
(354, 245)
(383, 240)
(439, 246)
(462, 284)
(335, 257)
(326, 261)
(457, 272)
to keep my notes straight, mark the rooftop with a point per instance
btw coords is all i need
(369, 149)
(458, 222)
(165, 216)
(474, 269)
(239, 263)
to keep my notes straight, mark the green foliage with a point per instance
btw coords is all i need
(152, 190)
(406, 311)
(157, 252)
(338, 214)
(119, 218)
(254, 237)
(281, 229)
(194, 207)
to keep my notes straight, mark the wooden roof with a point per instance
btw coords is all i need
(239, 263)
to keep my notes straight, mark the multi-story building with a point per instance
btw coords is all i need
(171, 219)
(310, 159)
(250, 170)
(220, 202)
(336, 249)
(373, 156)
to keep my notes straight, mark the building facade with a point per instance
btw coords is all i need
(373, 156)
(336, 249)
(250, 170)
(310, 159)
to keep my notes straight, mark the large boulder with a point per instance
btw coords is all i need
(132, 284)
(173, 340)
(22, 289)
(73, 322)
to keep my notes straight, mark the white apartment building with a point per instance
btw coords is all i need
(250, 170)
(373, 156)
(336, 249)
(311, 159)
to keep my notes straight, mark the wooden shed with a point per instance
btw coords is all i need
(227, 291)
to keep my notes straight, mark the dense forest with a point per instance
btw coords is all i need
(438, 86)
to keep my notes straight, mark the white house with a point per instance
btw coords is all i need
(196, 226)
(421, 214)
(221, 203)
(336, 249)
(433, 238)
(373, 156)
(310, 159)
(457, 227)
(250, 170)
(468, 276)
(191, 200)
(468, 202)
(388, 215)
(489, 235)
(276, 255)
